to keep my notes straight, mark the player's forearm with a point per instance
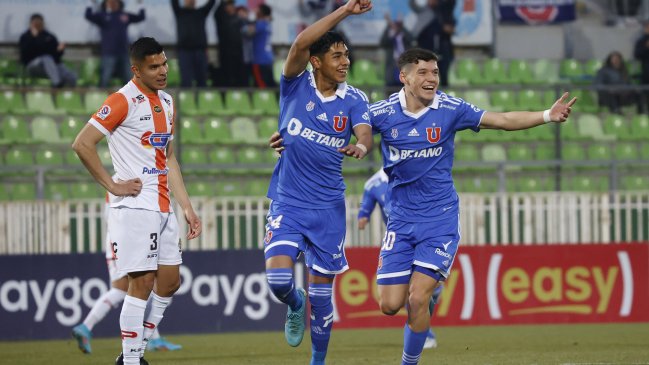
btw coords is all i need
(316, 30)
(512, 121)
(364, 136)
(177, 185)
(88, 155)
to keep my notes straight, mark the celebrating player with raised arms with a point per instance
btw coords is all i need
(318, 113)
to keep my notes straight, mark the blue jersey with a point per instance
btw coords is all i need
(309, 171)
(374, 192)
(418, 153)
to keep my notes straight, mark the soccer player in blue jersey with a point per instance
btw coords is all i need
(374, 192)
(318, 113)
(417, 127)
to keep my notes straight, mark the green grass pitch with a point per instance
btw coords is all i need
(538, 344)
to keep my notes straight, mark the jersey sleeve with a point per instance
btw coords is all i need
(377, 117)
(289, 86)
(367, 204)
(360, 114)
(111, 114)
(468, 117)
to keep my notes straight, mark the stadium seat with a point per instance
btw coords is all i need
(239, 103)
(49, 157)
(200, 189)
(90, 71)
(635, 183)
(587, 101)
(600, 152)
(520, 72)
(70, 102)
(465, 152)
(221, 156)
(94, 100)
(23, 191)
(480, 185)
(617, 126)
(249, 156)
(530, 100)
(545, 72)
(216, 131)
(10, 71)
(86, 190)
(626, 151)
(15, 130)
(278, 67)
(211, 103)
(40, 102)
(191, 158)
(243, 130)
(187, 103)
(493, 72)
(591, 67)
(45, 129)
(266, 102)
(229, 188)
(376, 95)
(504, 99)
(572, 70)
(57, 191)
(590, 126)
(453, 77)
(493, 153)
(257, 187)
(71, 158)
(267, 126)
(70, 127)
(573, 152)
(570, 131)
(480, 98)
(544, 132)
(104, 155)
(468, 69)
(4, 194)
(640, 127)
(190, 131)
(585, 183)
(533, 184)
(173, 72)
(520, 152)
(12, 102)
(19, 156)
(366, 73)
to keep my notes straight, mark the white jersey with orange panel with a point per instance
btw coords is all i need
(138, 127)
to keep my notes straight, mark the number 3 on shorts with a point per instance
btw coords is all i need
(388, 241)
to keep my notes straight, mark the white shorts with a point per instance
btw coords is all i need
(113, 273)
(143, 239)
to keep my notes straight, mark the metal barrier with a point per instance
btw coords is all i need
(77, 226)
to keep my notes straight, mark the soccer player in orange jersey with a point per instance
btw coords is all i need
(138, 122)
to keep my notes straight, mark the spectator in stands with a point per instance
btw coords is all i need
(614, 73)
(228, 29)
(434, 28)
(262, 62)
(40, 53)
(192, 41)
(394, 41)
(641, 53)
(247, 41)
(113, 23)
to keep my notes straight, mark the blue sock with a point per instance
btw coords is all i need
(322, 320)
(413, 345)
(281, 284)
(434, 299)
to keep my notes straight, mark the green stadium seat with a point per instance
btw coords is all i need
(493, 72)
(19, 156)
(453, 93)
(243, 130)
(480, 185)
(504, 99)
(267, 126)
(4, 194)
(626, 151)
(90, 70)
(191, 157)
(86, 190)
(49, 157)
(533, 184)
(16, 130)
(229, 188)
(479, 98)
(494, 153)
(190, 131)
(104, 155)
(542, 133)
(57, 191)
(520, 152)
(366, 73)
(617, 126)
(520, 72)
(644, 151)
(173, 72)
(70, 102)
(187, 103)
(40, 102)
(23, 191)
(572, 152)
(257, 187)
(545, 72)
(571, 70)
(585, 183)
(216, 131)
(266, 102)
(45, 129)
(530, 100)
(10, 71)
(222, 156)
(211, 103)
(70, 128)
(467, 69)
(600, 152)
(635, 183)
(590, 126)
(587, 101)
(12, 102)
(376, 95)
(570, 131)
(591, 67)
(249, 155)
(639, 127)
(71, 158)
(465, 152)
(200, 189)
(278, 68)
(455, 79)
(94, 101)
(239, 103)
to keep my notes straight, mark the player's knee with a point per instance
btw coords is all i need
(280, 281)
(389, 307)
(418, 301)
(168, 288)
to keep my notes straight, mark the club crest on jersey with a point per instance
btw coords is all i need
(340, 123)
(103, 112)
(155, 140)
(309, 106)
(167, 101)
(433, 134)
(394, 133)
(157, 109)
(138, 99)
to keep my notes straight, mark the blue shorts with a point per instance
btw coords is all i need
(319, 233)
(426, 247)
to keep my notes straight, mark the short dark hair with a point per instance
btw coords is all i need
(145, 46)
(322, 45)
(265, 10)
(414, 55)
(35, 16)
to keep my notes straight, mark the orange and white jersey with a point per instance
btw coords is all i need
(139, 126)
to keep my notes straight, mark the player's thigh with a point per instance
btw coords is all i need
(169, 241)
(167, 280)
(437, 247)
(326, 229)
(134, 234)
(284, 235)
(397, 254)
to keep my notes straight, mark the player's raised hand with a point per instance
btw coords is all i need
(194, 223)
(560, 109)
(127, 187)
(358, 6)
(353, 150)
(275, 142)
(362, 222)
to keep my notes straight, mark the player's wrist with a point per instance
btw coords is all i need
(546, 116)
(362, 147)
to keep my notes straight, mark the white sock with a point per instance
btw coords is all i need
(155, 335)
(130, 322)
(156, 308)
(103, 305)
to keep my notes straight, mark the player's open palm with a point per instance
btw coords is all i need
(194, 223)
(358, 6)
(130, 187)
(352, 150)
(561, 109)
